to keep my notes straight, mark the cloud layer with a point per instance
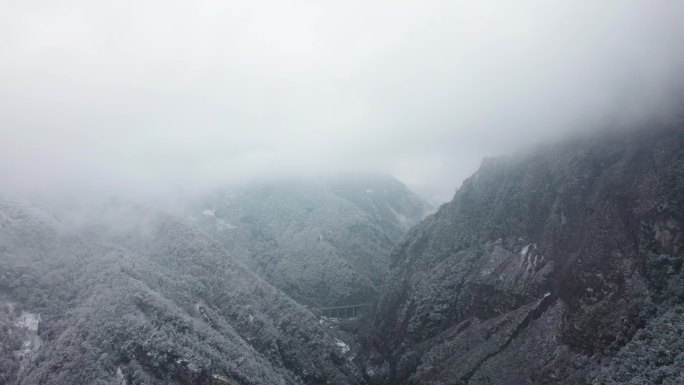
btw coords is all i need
(147, 96)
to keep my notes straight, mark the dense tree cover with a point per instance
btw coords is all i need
(323, 241)
(129, 295)
(560, 266)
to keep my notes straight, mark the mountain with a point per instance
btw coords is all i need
(323, 241)
(122, 294)
(561, 266)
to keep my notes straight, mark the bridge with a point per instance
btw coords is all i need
(349, 311)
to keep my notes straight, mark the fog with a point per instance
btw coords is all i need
(152, 97)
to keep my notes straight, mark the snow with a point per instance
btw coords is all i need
(28, 321)
(192, 367)
(120, 376)
(31, 344)
(343, 347)
(220, 223)
(524, 250)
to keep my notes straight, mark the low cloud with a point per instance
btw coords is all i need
(138, 97)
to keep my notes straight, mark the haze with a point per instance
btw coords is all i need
(152, 96)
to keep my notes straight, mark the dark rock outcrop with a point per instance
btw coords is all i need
(561, 266)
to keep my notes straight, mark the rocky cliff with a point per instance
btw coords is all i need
(560, 266)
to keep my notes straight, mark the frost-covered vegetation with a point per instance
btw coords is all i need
(562, 266)
(323, 241)
(130, 295)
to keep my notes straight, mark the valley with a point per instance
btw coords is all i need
(562, 266)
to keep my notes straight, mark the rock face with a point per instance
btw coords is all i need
(562, 266)
(126, 295)
(324, 242)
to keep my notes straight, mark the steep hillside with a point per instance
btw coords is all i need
(562, 266)
(125, 295)
(321, 241)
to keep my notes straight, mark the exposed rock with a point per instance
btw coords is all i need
(553, 267)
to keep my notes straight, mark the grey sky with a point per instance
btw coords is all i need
(144, 96)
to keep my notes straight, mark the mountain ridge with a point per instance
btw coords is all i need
(584, 220)
(323, 241)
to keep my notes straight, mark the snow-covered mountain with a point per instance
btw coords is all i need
(127, 295)
(561, 266)
(323, 241)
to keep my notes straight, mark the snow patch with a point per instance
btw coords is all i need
(220, 223)
(121, 377)
(28, 321)
(191, 367)
(524, 250)
(343, 347)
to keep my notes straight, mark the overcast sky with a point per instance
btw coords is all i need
(139, 95)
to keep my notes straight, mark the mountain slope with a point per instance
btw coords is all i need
(125, 295)
(556, 267)
(322, 241)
